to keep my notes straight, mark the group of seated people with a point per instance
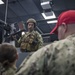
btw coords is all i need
(57, 58)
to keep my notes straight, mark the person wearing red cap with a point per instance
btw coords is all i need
(65, 24)
(57, 58)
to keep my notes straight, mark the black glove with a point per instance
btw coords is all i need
(34, 42)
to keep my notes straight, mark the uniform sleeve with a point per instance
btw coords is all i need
(35, 65)
(40, 40)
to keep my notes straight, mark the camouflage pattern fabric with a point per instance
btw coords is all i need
(57, 58)
(31, 41)
(7, 71)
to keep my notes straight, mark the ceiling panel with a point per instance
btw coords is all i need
(30, 7)
(11, 14)
(17, 9)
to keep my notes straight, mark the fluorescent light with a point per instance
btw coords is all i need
(1, 2)
(49, 17)
(44, 3)
(54, 21)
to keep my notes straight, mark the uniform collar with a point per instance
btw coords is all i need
(72, 35)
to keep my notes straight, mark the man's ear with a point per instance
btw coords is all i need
(65, 27)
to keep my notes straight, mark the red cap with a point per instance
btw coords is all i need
(66, 17)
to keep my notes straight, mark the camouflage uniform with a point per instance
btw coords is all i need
(57, 58)
(7, 71)
(27, 41)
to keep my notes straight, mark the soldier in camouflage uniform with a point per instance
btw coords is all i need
(57, 58)
(31, 40)
(8, 57)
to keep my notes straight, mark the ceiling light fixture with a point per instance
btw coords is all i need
(46, 5)
(49, 17)
(1, 2)
(54, 21)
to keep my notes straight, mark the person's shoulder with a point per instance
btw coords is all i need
(37, 32)
(61, 43)
(9, 71)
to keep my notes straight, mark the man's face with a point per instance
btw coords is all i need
(61, 32)
(30, 26)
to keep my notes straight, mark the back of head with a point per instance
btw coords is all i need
(7, 54)
(31, 20)
(67, 17)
